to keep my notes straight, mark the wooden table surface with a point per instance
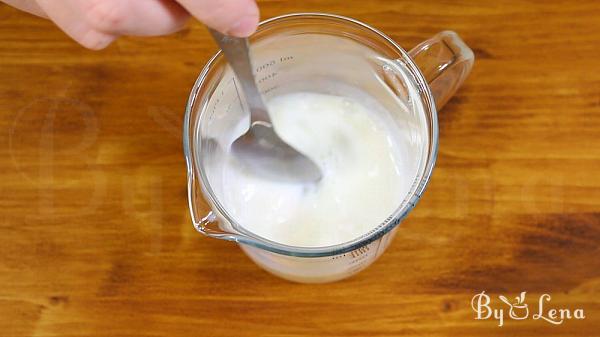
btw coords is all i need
(96, 238)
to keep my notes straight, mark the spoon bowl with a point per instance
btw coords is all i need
(267, 154)
(260, 148)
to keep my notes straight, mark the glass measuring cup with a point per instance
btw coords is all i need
(327, 54)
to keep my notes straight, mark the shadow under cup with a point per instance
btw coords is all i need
(316, 53)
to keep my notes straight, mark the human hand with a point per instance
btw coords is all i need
(96, 23)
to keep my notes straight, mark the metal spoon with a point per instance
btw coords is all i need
(260, 147)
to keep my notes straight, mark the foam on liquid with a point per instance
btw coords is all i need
(364, 174)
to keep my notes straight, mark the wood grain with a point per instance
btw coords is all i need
(95, 236)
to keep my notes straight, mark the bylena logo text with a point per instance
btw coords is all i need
(519, 310)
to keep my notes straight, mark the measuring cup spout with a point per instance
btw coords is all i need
(209, 223)
(209, 226)
(205, 225)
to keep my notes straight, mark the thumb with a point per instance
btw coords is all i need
(232, 17)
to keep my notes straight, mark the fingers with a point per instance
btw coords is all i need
(232, 17)
(135, 17)
(29, 6)
(96, 23)
(70, 16)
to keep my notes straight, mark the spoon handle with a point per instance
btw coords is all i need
(237, 53)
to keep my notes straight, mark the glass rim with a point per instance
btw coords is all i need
(194, 164)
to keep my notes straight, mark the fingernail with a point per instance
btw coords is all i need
(244, 27)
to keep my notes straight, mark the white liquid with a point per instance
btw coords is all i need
(365, 177)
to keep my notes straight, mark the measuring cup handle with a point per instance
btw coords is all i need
(445, 61)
